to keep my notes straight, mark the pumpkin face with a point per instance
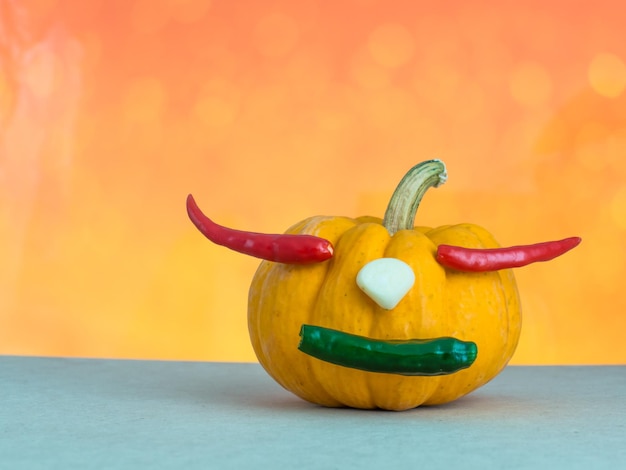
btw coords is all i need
(479, 307)
(379, 321)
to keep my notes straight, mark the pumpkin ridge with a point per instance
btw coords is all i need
(315, 228)
(393, 391)
(341, 305)
(313, 317)
(503, 278)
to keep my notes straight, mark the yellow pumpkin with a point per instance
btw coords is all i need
(483, 308)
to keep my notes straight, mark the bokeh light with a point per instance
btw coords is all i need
(607, 75)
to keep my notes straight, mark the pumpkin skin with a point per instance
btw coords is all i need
(479, 307)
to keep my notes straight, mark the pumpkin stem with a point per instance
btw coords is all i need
(405, 200)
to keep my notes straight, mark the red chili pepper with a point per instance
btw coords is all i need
(281, 248)
(479, 260)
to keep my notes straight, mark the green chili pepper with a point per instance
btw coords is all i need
(437, 356)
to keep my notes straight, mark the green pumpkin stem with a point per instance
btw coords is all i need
(405, 200)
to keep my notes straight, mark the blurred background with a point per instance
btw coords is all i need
(111, 112)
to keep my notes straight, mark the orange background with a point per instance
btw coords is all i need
(111, 112)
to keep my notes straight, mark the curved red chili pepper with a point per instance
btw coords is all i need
(493, 259)
(281, 248)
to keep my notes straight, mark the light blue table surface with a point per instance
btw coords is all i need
(82, 413)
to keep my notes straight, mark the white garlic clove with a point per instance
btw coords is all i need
(386, 281)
